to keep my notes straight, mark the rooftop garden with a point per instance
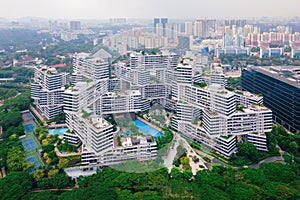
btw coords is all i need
(86, 114)
(240, 108)
(202, 85)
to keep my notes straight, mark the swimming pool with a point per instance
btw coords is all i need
(57, 131)
(148, 130)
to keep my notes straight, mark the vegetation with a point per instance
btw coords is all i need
(206, 159)
(195, 145)
(234, 84)
(119, 141)
(270, 181)
(166, 139)
(20, 74)
(240, 108)
(287, 142)
(202, 85)
(66, 147)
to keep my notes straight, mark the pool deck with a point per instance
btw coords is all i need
(59, 154)
(149, 124)
(57, 126)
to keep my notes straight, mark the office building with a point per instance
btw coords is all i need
(280, 88)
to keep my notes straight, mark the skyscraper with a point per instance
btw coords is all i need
(156, 21)
(164, 22)
(160, 24)
(75, 25)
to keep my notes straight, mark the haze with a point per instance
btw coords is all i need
(95, 9)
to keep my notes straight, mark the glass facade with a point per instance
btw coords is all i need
(282, 98)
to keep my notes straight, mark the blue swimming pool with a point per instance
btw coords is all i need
(148, 130)
(57, 131)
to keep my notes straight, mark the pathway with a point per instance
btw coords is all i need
(38, 115)
(57, 125)
(267, 160)
(168, 160)
(190, 154)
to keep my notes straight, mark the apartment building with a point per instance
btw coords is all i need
(47, 90)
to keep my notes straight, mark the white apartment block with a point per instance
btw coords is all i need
(121, 102)
(90, 67)
(47, 90)
(221, 122)
(153, 61)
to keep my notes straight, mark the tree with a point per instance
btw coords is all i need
(39, 174)
(243, 191)
(175, 173)
(16, 159)
(187, 174)
(63, 163)
(210, 178)
(278, 172)
(48, 195)
(255, 176)
(248, 151)
(15, 185)
(294, 147)
(52, 173)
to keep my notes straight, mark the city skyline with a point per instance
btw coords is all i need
(94, 9)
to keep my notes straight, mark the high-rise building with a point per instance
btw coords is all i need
(160, 26)
(280, 87)
(156, 21)
(90, 97)
(209, 115)
(164, 22)
(47, 90)
(75, 25)
(188, 26)
(208, 27)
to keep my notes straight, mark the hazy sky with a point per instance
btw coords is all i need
(95, 9)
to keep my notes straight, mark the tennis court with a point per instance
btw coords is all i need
(34, 160)
(29, 144)
(27, 117)
(29, 128)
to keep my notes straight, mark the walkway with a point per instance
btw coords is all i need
(268, 160)
(190, 154)
(57, 125)
(168, 160)
(76, 172)
(50, 189)
(38, 115)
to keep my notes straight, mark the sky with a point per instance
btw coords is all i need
(176, 9)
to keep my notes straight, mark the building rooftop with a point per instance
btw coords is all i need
(254, 108)
(99, 122)
(127, 92)
(249, 94)
(287, 74)
(137, 140)
(102, 54)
